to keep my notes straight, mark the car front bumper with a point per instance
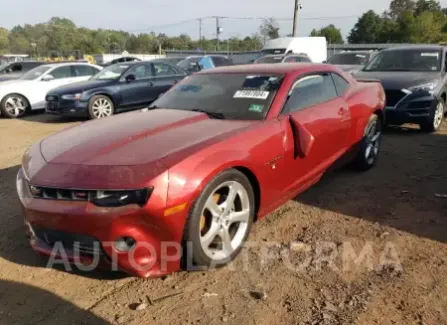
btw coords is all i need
(80, 233)
(73, 108)
(413, 108)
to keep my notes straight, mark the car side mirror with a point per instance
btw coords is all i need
(324, 61)
(47, 77)
(130, 77)
(302, 138)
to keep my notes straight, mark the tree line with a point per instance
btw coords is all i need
(406, 21)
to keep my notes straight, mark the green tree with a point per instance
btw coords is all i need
(332, 34)
(397, 7)
(4, 41)
(368, 29)
(269, 29)
(426, 5)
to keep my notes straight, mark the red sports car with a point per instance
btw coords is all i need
(188, 176)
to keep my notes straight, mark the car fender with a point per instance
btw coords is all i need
(184, 189)
(105, 92)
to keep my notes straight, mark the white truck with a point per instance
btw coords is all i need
(314, 47)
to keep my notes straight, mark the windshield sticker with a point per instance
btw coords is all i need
(254, 94)
(430, 54)
(256, 108)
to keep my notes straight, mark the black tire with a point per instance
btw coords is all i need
(363, 161)
(16, 98)
(430, 125)
(93, 112)
(194, 252)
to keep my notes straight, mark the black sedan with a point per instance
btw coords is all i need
(15, 70)
(415, 83)
(118, 88)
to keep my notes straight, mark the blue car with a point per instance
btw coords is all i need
(117, 88)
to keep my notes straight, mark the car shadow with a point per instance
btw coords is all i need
(403, 191)
(25, 304)
(41, 117)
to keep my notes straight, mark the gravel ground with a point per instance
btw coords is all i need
(357, 248)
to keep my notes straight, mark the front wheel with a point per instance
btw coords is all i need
(220, 220)
(369, 148)
(435, 120)
(100, 106)
(14, 106)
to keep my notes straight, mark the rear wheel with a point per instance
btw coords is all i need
(370, 146)
(220, 220)
(100, 106)
(14, 106)
(435, 120)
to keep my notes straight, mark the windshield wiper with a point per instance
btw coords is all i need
(216, 115)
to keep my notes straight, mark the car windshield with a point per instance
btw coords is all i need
(349, 59)
(233, 96)
(111, 73)
(186, 63)
(270, 59)
(406, 60)
(35, 73)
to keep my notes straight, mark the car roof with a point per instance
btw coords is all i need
(56, 64)
(415, 47)
(263, 68)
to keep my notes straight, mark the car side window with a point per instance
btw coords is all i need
(83, 71)
(309, 91)
(340, 84)
(62, 72)
(219, 61)
(141, 71)
(164, 70)
(16, 67)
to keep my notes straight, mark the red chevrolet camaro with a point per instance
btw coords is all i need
(188, 176)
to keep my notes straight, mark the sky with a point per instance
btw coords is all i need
(174, 17)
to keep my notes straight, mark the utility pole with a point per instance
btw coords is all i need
(200, 32)
(217, 33)
(295, 16)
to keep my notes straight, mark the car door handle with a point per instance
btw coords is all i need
(174, 82)
(150, 84)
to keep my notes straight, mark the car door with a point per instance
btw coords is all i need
(60, 76)
(137, 86)
(315, 119)
(165, 76)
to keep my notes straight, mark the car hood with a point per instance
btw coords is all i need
(138, 137)
(399, 79)
(81, 86)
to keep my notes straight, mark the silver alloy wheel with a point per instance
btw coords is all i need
(373, 135)
(439, 114)
(227, 220)
(102, 108)
(15, 105)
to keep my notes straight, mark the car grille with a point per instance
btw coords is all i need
(50, 193)
(52, 102)
(393, 97)
(85, 245)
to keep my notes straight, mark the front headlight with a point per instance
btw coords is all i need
(429, 86)
(121, 198)
(71, 96)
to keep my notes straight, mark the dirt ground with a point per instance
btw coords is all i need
(358, 248)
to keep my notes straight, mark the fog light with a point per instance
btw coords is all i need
(125, 244)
